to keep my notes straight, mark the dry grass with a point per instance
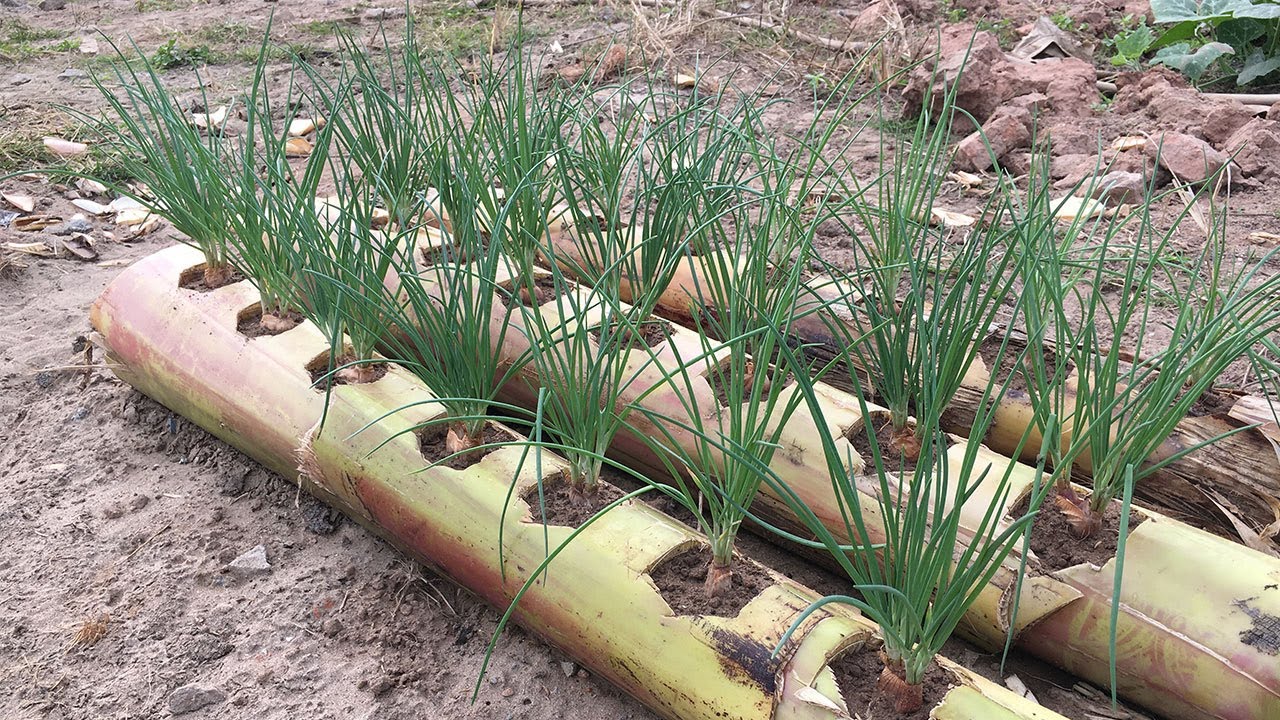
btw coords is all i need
(91, 630)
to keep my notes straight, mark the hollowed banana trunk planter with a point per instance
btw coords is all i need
(597, 602)
(1239, 475)
(1197, 635)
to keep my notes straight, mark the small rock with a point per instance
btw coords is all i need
(383, 13)
(320, 519)
(72, 74)
(331, 627)
(1119, 187)
(20, 79)
(508, 692)
(568, 669)
(113, 512)
(1191, 159)
(79, 224)
(1032, 102)
(1274, 112)
(253, 562)
(1005, 132)
(1255, 148)
(52, 4)
(190, 698)
(1223, 120)
(44, 379)
(139, 502)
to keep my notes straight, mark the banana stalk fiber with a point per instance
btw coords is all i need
(1230, 487)
(596, 602)
(1197, 616)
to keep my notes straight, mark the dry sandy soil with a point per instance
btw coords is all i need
(119, 519)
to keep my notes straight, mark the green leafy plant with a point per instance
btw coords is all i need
(1131, 42)
(1201, 33)
(172, 55)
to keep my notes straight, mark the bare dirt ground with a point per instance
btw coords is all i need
(119, 520)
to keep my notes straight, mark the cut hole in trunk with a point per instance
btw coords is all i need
(722, 381)
(1213, 401)
(202, 278)
(360, 374)
(435, 443)
(647, 333)
(544, 291)
(871, 690)
(446, 253)
(1002, 367)
(899, 449)
(252, 323)
(682, 580)
(562, 504)
(1057, 543)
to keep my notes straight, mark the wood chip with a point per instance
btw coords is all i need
(1014, 683)
(65, 148)
(210, 121)
(304, 126)
(91, 187)
(1074, 208)
(91, 207)
(968, 180)
(297, 147)
(25, 203)
(132, 216)
(1128, 142)
(949, 218)
(31, 223)
(39, 249)
(80, 245)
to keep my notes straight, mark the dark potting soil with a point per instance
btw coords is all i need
(1212, 402)
(560, 506)
(857, 673)
(544, 291)
(431, 441)
(193, 279)
(1055, 543)
(321, 380)
(651, 333)
(680, 579)
(249, 323)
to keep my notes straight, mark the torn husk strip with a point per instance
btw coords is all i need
(597, 602)
(1158, 643)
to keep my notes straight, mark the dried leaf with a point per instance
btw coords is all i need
(304, 126)
(1194, 209)
(65, 148)
(1247, 534)
(1263, 238)
(297, 147)
(124, 203)
(685, 82)
(1128, 142)
(210, 121)
(25, 203)
(31, 223)
(91, 207)
(1014, 683)
(814, 697)
(81, 246)
(39, 249)
(1073, 208)
(1046, 39)
(949, 218)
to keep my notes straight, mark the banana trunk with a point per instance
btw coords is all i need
(1160, 645)
(597, 602)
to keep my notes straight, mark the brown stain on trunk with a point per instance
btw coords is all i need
(740, 655)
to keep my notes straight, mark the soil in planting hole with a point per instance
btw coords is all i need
(249, 322)
(649, 333)
(1002, 367)
(857, 675)
(857, 436)
(680, 579)
(1212, 402)
(319, 369)
(1055, 543)
(431, 441)
(559, 505)
(193, 279)
(544, 291)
